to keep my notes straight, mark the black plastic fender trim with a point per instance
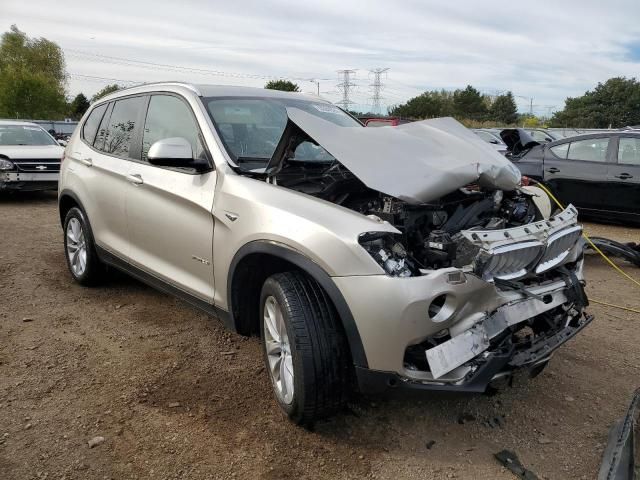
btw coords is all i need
(316, 272)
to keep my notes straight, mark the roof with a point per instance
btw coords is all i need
(214, 91)
(18, 122)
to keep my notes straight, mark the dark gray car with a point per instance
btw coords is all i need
(598, 173)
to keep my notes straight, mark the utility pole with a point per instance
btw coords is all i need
(345, 88)
(377, 87)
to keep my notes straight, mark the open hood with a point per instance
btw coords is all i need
(417, 162)
(517, 140)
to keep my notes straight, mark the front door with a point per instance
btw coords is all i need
(575, 171)
(169, 209)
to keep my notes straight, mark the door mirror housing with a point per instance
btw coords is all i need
(171, 152)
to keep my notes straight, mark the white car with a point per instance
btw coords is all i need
(29, 157)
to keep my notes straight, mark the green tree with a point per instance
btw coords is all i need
(284, 85)
(504, 110)
(78, 106)
(106, 91)
(426, 105)
(614, 103)
(469, 104)
(32, 77)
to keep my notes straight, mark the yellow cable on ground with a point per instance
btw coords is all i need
(607, 259)
(615, 306)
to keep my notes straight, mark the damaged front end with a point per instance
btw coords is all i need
(474, 282)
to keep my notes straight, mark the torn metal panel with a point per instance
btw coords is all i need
(417, 162)
(621, 459)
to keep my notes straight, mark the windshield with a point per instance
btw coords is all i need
(24, 135)
(252, 127)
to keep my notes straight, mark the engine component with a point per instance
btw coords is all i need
(389, 253)
(440, 249)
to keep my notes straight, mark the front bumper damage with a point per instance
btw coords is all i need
(28, 181)
(470, 361)
(461, 328)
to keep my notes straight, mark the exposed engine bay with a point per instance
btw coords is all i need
(431, 233)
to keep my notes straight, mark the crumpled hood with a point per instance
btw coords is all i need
(417, 162)
(24, 152)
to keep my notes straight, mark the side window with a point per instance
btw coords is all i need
(123, 127)
(590, 150)
(629, 151)
(90, 127)
(169, 117)
(561, 150)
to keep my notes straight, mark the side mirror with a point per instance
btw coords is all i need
(62, 143)
(170, 152)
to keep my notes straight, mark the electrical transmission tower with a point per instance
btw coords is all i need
(345, 87)
(377, 88)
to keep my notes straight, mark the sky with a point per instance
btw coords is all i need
(543, 51)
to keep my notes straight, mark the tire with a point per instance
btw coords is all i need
(80, 250)
(318, 352)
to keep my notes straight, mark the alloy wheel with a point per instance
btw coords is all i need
(76, 247)
(278, 350)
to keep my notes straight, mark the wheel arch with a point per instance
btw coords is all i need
(254, 262)
(66, 201)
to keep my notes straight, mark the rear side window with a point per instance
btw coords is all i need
(90, 127)
(123, 128)
(169, 117)
(561, 150)
(590, 150)
(629, 151)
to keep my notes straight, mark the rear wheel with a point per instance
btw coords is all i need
(305, 350)
(80, 250)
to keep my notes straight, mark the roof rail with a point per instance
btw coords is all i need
(187, 85)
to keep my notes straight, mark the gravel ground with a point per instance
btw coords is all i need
(175, 396)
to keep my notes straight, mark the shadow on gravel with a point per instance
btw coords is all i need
(21, 198)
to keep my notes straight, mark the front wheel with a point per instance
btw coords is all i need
(305, 350)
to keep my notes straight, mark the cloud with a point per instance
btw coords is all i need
(545, 51)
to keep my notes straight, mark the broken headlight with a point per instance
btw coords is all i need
(389, 253)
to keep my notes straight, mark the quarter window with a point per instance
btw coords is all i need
(123, 128)
(590, 150)
(170, 117)
(90, 127)
(629, 151)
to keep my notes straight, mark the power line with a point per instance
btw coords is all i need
(345, 87)
(164, 66)
(377, 87)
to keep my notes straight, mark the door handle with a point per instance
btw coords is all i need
(553, 170)
(135, 178)
(88, 161)
(624, 176)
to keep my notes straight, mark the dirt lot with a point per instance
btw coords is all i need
(175, 396)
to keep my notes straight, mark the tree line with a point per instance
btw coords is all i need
(33, 82)
(466, 104)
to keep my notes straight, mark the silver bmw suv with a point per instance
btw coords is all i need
(396, 258)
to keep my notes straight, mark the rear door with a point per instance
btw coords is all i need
(575, 171)
(102, 161)
(169, 209)
(623, 177)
